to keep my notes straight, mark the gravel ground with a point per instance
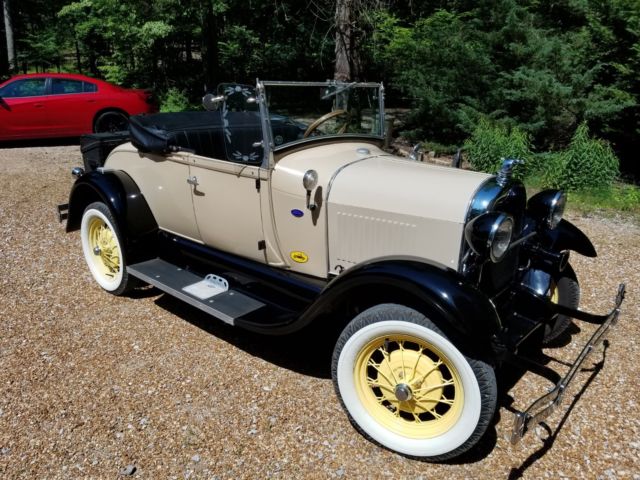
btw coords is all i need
(93, 386)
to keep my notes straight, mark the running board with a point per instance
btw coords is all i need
(226, 306)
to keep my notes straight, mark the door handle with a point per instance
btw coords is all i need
(193, 181)
(38, 105)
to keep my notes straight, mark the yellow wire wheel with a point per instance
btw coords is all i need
(102, 248)
(409, 386)
(105, 248)
(405, 385)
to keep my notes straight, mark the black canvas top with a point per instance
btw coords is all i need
(160, 132)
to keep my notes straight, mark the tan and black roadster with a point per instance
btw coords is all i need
(277, 207)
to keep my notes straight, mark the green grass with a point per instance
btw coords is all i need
(618, 199)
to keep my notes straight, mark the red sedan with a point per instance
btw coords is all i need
(65, 105)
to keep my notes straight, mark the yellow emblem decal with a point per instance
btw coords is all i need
(299, 257)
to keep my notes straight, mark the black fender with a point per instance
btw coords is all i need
(440, 293)
(121, 194)
(566, 236)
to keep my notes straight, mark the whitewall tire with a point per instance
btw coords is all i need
(408, 387)
(103, 248)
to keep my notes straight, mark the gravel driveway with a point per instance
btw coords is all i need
(93, 386)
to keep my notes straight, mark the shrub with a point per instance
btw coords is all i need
(490, 143)
(588, 163)
(174, 100)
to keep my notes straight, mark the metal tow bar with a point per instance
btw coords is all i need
(546, 404)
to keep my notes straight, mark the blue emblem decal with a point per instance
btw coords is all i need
(297, 213)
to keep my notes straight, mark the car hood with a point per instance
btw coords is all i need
(361, 173)
(400, 186)
(370, 204)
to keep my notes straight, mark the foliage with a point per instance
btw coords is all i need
(441, 64)
(490, 143)
(542, 67)
(617, 198)
(588, 163)
(174, 100)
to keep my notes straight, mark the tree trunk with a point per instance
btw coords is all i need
(210, 54)
(343, 40)
(78, 58)
(8, 28)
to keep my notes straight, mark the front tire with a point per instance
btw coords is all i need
(102, 247)
(565, 291)
(406, 386)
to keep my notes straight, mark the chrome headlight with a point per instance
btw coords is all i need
(547, 207)
(490, 235)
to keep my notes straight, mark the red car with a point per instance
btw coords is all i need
(66, 105)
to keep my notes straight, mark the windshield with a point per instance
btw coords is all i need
(303, 111)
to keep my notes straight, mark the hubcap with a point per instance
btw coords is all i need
(403, 392)
(104, 244)
(409, 386)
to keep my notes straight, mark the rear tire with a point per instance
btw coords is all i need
(110, 122)
(102, 247)
(406, 386)
(565, 291)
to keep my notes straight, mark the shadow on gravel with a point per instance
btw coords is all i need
(307, 352)
(538, 365)
(46, 142)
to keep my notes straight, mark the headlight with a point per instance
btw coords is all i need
(547, 207)
(490, 235)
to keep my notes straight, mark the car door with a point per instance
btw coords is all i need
(22, 109)
(70, 107)
(226, 191)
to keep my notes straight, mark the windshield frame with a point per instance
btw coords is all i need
(268, 141)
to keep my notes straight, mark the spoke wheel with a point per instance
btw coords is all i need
(406, 386)
(102, 248)
(409, 386)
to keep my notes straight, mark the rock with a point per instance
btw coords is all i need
(195, 458)
(128, 471)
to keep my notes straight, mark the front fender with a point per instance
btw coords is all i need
(120, 193)
(566, 236)
(457, 307)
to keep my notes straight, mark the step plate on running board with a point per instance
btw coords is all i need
(227, 306)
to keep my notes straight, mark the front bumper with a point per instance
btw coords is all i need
(546, 404)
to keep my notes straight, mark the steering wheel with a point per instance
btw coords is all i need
(324, 118)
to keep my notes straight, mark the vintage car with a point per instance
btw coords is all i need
(278, 208)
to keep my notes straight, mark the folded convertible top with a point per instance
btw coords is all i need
(165, 132)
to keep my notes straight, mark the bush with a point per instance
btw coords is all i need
(588, 163)
(490, 143)
(174, 100)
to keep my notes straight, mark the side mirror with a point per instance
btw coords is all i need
(211, 101)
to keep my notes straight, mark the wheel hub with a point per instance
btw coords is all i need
(104, 246)
(403, 392)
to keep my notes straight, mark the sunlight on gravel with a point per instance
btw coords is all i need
(93, 386)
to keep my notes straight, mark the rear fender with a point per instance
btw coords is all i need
(120, 193)
(457, 307)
